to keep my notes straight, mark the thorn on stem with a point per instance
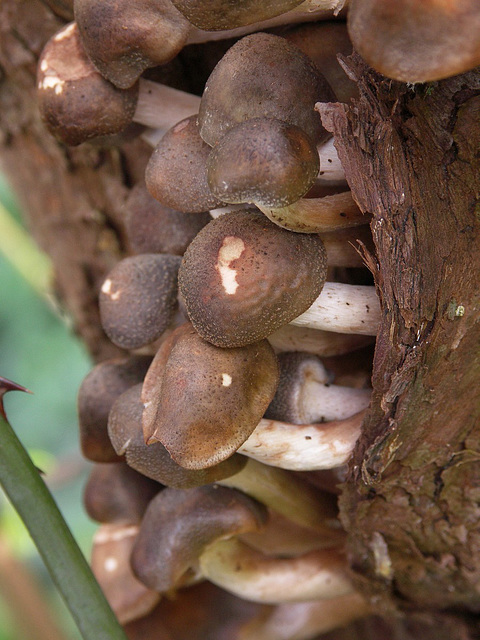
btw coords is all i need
(8, 385)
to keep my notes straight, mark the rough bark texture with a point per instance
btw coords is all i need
(411, 505)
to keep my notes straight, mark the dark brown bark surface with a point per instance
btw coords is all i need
(412, 503)
(411, 506)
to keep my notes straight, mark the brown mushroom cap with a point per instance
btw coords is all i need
(115, 493)
(263, 160)
(243, 277)
(176, 174)
(151, 227)
(72, 94)
(154, 461)
(263, 75)
(98, 391)
(415, 41)
(215, 15)
(138, 299)
(211, 399)
(179, 525)
(124, 38)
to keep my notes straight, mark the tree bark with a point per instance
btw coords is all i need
(411, 503)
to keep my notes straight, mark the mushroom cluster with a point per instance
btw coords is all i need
(243, 305)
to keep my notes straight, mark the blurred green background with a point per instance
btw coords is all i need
(38, 350)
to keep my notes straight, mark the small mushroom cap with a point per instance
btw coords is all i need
(415, 41)
(179, 525)
(98, 391)
(115, 493)
(295, 369)
(151, 227)
(138, 299)
(128, 597)
(263, 76)
(265, 161)
(72, 95)
(243, 277)
(176, 174)
(211, 399)
(154, 461)
(124, 38)
(215, 15)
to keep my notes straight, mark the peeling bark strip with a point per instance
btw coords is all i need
(412, 503)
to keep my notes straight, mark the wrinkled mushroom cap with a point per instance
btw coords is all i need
(98, 391)
(211, 399)
(151, 227)
(124, 38)
(176, 174)
(115, 493)
(263, 76)
(138, 299)
(243, 277)
(265, 161)
(154, 461)
(72, 95)
(179, 525)
(215, 15)
(414, 41)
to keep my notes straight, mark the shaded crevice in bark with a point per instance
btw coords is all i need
(411, 506)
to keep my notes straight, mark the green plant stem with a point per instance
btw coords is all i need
(56, 545)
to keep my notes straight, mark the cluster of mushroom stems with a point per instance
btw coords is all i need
(220, 438)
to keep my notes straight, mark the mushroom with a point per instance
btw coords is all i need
(110, 561)
(322, 343)
(240, 88)
(116, 494)
(305, 394)
(242, 278)
(138, 299)
(176, 174)
(280, 491)
(97, 393)
(416, 41)
(192, 532)
(304, 447)
(151, 227)
(124, 38)
(209, 400)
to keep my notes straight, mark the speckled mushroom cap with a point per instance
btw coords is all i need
(211, 399)
(115, 493)
(263, 76)
(179, 525)
(153, 460)
(151, 227)
(72, 95)
(214, 15)
(263, 160)
(176, 174)
(98, 391)
(138, 299)
(243, 277)
(414, 41)
(123, 38)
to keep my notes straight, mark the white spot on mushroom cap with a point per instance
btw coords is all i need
(107, 290)
(110, 564)
(65, 33)
(231, 249)
(52, 82)
(226, 380)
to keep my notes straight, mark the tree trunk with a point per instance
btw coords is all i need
(411, 503)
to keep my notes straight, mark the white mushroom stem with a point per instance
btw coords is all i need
(323, 402)
(306, 620)
(240, 570)
(317, 215)
(321, 343)
(287, 494)
(306, 447)
(343, 308)
(331, 169)
(308, 11)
